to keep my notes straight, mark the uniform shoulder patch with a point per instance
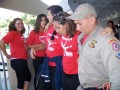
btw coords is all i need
(115, 44)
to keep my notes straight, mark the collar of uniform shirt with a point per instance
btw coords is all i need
(94, 31)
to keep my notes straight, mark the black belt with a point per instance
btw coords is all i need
(93, 88)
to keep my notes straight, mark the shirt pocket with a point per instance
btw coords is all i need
(90, 53)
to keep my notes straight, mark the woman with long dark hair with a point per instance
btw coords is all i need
(110, 24)
(36, 38)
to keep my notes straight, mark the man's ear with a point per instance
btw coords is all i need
(93, 20)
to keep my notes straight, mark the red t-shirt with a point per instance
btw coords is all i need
(37, 38)
(17, 45)
(70, 54)
(53, 47)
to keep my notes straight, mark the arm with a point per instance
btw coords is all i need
(3, 48)
(32, 46)
(31, 41)
(40, 47)
(110, 54)
(46, 27)
(34, 49)
(107, 31)
(32, 53)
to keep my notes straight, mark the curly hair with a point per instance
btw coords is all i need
(12, 26)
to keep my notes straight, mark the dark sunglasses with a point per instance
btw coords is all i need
(52, 37)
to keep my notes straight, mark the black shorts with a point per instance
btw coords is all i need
(36, 63)
(22, 71)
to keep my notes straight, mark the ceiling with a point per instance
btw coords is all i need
(106, 9)
(33, 7)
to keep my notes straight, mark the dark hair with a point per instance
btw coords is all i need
(113, 26)
(70, 25)
(55, 9)
(12, 26)
(38, 22)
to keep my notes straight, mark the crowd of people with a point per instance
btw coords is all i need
(69, 52)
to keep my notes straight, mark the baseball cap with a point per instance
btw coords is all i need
(82, 11)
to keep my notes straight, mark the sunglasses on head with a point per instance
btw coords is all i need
(53, 37)
(60, 17)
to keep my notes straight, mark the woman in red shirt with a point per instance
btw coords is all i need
(53, 53)
(18, 51)
(36, 38)
(67, 29)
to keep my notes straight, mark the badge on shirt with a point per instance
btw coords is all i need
(92, 44)
(115, 44)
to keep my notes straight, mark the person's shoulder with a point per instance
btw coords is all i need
(109, 43)
(12, 32)
(102, 37)
(105, 37)
(32, 31)
(50, 29)
(108, 40)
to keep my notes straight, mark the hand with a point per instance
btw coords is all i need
(107, 31)
(106, 86)
(32, 53)
(40, 47)
(43, 45)
(8, 56)
(46, 28)
(77, 60)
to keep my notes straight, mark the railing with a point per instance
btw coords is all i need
(11, 83)
(3, 64)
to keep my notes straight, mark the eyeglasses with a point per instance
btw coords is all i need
(53, 37)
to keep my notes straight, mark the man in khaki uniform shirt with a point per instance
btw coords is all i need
(99, 60)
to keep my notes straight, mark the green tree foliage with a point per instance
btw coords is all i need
(28, 19)
(5, 22)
